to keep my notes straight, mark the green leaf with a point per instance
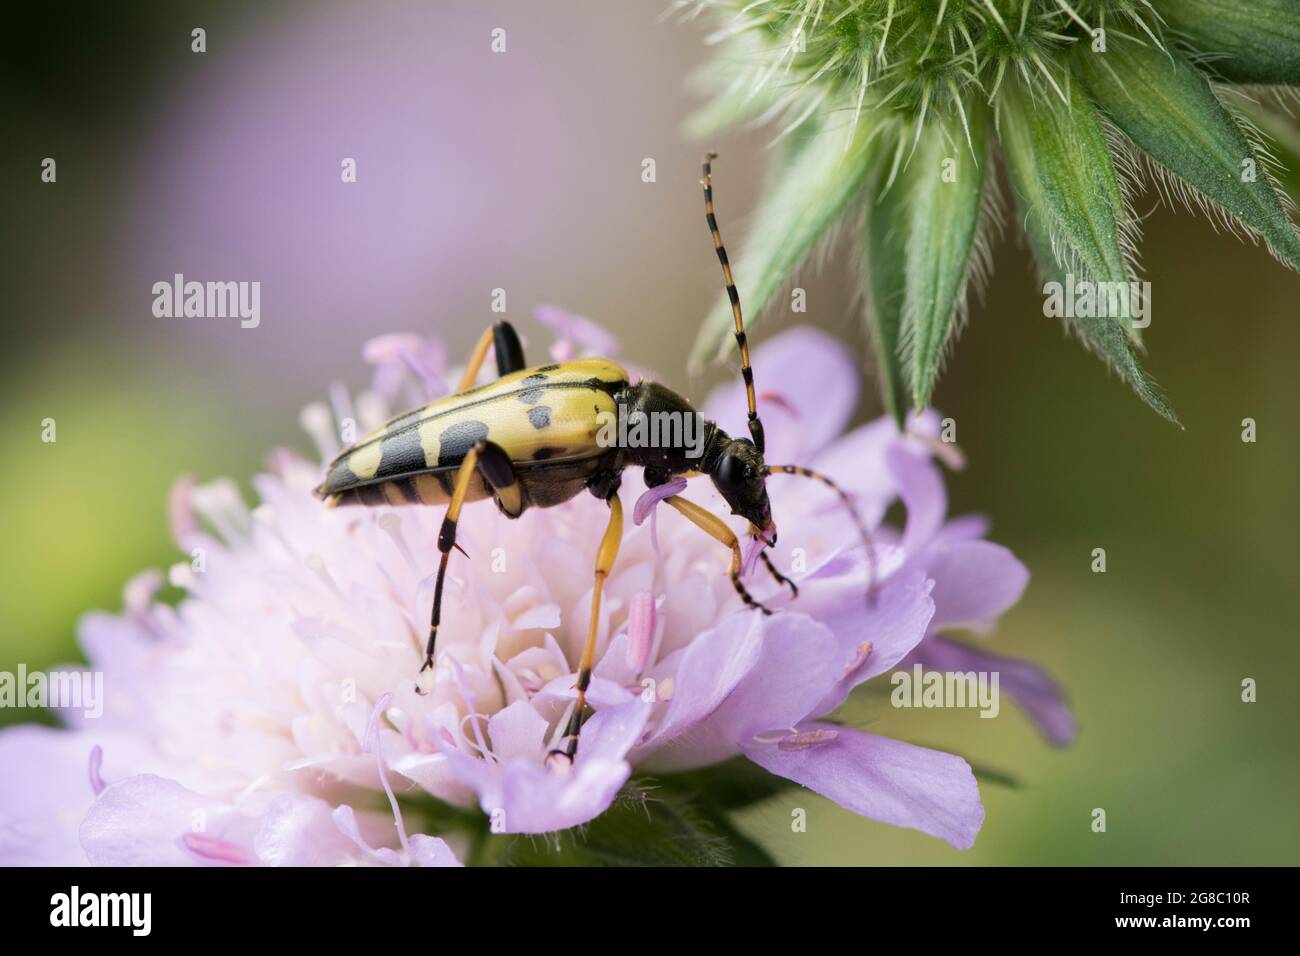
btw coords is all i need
(1249, 41)
(639, 829)
(1060, 165)
(821, 172)
(1105, 338)
(1169, 110)
(984, 773)
(731, 785)
(1072, 208)
(993, 775)
(884, 258)
(943, 184)
(1283, 142)
(743, 850)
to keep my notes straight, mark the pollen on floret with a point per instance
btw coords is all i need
(857, 660)
(807, 739)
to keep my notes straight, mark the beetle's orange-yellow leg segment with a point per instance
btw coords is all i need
(504, 341)
(716, 528)
(491, 461)
(605, 557)
(767, 562)
(476, 359)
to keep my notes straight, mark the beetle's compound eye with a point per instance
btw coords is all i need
(732, 474)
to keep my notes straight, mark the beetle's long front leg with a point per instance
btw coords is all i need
(492, 462)
(605, 556)
(716, 528)
(780, 578)
(849, 506)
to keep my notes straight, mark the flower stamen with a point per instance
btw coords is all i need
(96, 760)
(371, 745)
(858, 659)
(317, 564)
(807, 739)
(213, 848)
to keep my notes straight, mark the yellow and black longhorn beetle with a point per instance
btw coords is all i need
(530, 439)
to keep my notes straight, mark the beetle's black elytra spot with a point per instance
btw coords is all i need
(540, 416)
(402, 453)
(532, 391)
(456, 441)
(548, 368)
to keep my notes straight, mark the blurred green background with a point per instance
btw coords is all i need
(523, 171)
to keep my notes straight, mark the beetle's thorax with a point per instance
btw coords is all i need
(661, 431)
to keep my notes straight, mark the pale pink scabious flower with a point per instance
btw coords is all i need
(272, 717)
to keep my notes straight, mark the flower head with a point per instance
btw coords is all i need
(277, 714)
(892, 113)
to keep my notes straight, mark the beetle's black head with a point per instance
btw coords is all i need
(740, 476)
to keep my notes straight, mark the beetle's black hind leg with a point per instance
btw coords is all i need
(491, 462)
(507, 348)
(509, 351)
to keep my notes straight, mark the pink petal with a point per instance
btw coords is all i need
(299, 830)
(525, 796)
(814, 381)
(974, 582)
(39, 811)
(710, 668)
(432, 851)
(1040, 697)
(894, 624)
(517, 731)
(144, 821)
(652, 496)
(575, 333)
(798, 663)
(920, 485)
(886, 780)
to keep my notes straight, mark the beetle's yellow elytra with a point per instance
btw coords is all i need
(548, 413)
(364, 462)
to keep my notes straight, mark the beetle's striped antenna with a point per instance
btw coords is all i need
(848, 504)
(746, 370)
